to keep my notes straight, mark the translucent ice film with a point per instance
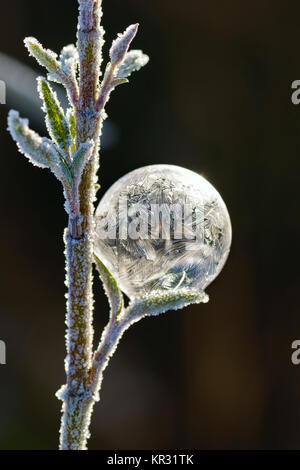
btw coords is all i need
(162, 227)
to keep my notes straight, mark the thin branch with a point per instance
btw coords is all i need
(77, 402)
(108, 345)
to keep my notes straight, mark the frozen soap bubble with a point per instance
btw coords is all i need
(162, 228)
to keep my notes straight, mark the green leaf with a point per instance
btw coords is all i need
(118, 81)
(158, 302)
(57, 124)
(61, 71)
(44, 57)
(72, 127)
(111, 288)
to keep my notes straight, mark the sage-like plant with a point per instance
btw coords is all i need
(158, 273)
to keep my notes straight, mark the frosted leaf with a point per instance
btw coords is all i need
(112, 290)
(56, 122)
(159, 302)
(28, 141)
(120, 45)
(134, 60)
(39, 150)
(61, 71)
(69, 60)
(118, 81)
(67, 66)
(162, 228)
(44, 57)
(70, 116)
(80, 159)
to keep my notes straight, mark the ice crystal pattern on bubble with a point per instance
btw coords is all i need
(188, 234)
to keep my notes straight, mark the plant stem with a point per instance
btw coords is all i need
(77, 400)
(111, 336)
(78, 407)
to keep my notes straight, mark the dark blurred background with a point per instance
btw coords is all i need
(215, 98)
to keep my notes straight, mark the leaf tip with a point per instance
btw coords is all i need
(120, 46)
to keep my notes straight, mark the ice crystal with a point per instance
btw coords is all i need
(161, 228)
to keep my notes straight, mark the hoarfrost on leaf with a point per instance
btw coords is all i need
(40, 151)
(44, 57)
(56, 122)
(61, 71)
(134, 61)
(70, 116)
(80, 159)
(159, 302)
(69, 60)
(120, 45)
(112, 290)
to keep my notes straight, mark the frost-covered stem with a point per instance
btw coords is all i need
(77, 411)
(78, 405)
(77, 402)
(79, 310)
(79, 338)
(88, 125)
(106, 87)
(149, 305)
(108, 344)
(72, 155)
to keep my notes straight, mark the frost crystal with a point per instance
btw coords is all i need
(134, 60)
(162, 228)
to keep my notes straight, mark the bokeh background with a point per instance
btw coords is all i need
(215, 98)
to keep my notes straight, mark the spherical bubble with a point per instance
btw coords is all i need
(162, 227)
